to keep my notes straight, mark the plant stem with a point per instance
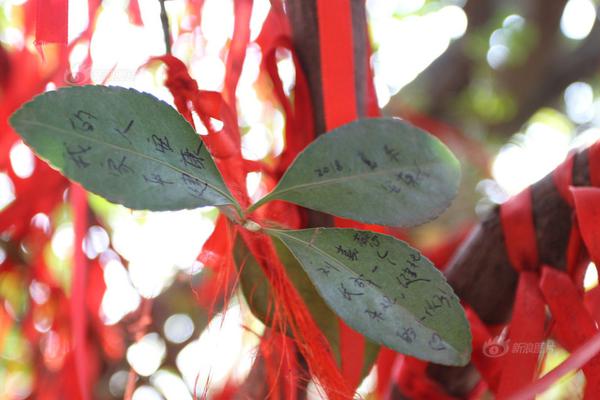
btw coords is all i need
(164, 19)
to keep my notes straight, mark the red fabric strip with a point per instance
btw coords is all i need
(237, 50)
(516, 216)
(587, 208)
(78, 288)
(575, 361)
(337, 61)
(51, 21)
(134, 13)
(339, 102)
(563, 178)
(574, 325)
(594, 164)
(526, 329)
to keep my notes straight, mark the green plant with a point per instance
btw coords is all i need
(137, 151)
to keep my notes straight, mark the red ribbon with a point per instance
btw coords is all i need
(516, 216)
(78, 289)
(339, 104)
(51, 21)
(526, 329)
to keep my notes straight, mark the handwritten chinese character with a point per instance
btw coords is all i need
(192, 159)
(77, 155)
(156, 179)
(195, 187)
(119, 169)
(348, 294)
(384, 256)
(123, 132)
(407, 334)
(161, 144)
(393, 154)
(360, 281)
(82, 121)
(375, 315)
(351, 254)
(405, 281)
(369, 163)
(327, 268)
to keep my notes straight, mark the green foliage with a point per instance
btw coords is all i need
(137, 151)
(126, 146)
(384, 289)
(381, 171)
(257, 293)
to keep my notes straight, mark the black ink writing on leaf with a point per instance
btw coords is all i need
(375, 315)
(436, 343)
(369, 163)
(333, 166)
(348, 295)
(123, 132)
(118, 168)
(77, 155)
(360, 281)
(192, 159)
(407, 178)
(350, 254)
(435, 302)
(194, 186)
(161, 144)
(156, 179)
(391, 188)
(82, 121)
(375, 268)
(392, 153)
(406, 281)
(415, 257)
(407, 334)
(366, 238)
(327, 268)
(384, 256)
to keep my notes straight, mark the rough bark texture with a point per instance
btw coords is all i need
(481, 274)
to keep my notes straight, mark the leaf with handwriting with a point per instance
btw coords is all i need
(384, 289)
(381, 170)
(126, 146)
(257, 292)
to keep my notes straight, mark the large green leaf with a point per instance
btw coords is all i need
(380, 170)
(257, 292)
(385, 289)
(126, 146)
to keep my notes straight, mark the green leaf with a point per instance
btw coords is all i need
(257, 292)
(380, 170)
(126, 146)
(384, 289)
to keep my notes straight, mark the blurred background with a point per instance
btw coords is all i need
(514, 82)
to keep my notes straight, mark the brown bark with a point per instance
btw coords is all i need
(481, 274)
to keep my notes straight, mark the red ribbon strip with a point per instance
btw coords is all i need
(78, 288)
(526, 329)
(51, 21)
(339, 103)
(574, 324)
(516, 216)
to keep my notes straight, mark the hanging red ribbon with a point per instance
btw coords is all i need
(78, 288)
(516, 216)
(51, 21)
(339, 103)
(526, 329)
